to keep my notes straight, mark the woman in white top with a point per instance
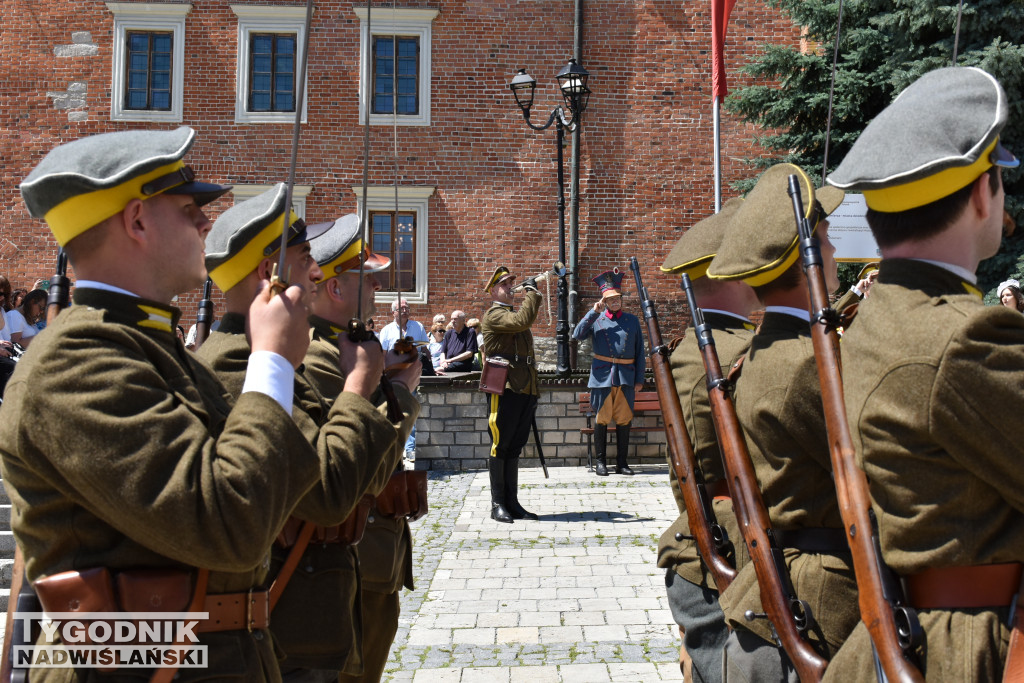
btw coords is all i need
(33, 307)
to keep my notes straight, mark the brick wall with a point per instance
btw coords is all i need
(451, 432)
(646, 167)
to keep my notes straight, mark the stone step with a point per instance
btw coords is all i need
(4, 498)
(7, 545)
(5, 517)
(5, 593)
(6, 569)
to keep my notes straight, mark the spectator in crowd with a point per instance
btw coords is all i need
(33, 308)
(181, 333)
(1010, 295)
(459, 346)
(12, 327)
(17, 297)
(439, 318)
(435, 345)
(372, 327)
(474, 324)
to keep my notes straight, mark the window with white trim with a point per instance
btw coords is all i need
(270, 40)
(240, 193)
(404, 240)
(148, 69)
(398, 71)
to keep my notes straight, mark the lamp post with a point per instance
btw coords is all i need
(572, 80)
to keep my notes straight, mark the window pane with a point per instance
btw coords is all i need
(137, 80)
(284, 82)
(284, 103)
(261, 82)
(261, 63)
(161, 81)
(161, 62)
(262, 43)
(407, 67)
(137, 99)
(407, 105)
(161, 100)
(406, 85)
(382, 104)
(138, 61)
(284, 63)
(162, 42)
(286, 44)
(384, 46)
(260, 102)
(407, 47)
(138, 42)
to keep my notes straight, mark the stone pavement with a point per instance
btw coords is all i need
(576, 596)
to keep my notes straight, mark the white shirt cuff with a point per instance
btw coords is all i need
(269, 373)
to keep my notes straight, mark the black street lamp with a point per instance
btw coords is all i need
(572, 80)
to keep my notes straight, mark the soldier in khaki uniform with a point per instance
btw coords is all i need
(317, 643)
(932, 377)
(122, 451)
(509, 415)
(692, 594)
(385, 552)
(778, 403)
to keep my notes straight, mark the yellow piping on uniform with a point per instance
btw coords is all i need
(492, 424)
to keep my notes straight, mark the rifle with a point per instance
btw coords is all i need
(893, 626)
(22, 598)
(790, 616)
(710, 537)
(204, 318)
(60, 285)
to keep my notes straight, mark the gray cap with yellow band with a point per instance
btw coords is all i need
(938, 136)
(693, 252)
(80, 184)
(763, 241)
(338, 250)
(249, 232)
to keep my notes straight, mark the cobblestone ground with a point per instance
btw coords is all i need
(576, 596)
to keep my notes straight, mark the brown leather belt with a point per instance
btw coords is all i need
(617, 361)
(982, 585)
(232, 611)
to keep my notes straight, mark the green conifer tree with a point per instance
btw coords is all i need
(883, 47)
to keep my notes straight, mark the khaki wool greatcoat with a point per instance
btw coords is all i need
(732, 339)
(778, 403)
(120, 449)
(934, 382)
(385, 553)
(343, 431)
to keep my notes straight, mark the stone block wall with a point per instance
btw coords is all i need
(451, 433)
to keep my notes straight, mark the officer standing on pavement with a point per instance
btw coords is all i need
(933, 378)
(778, 404)
(385, 552)
(241, 250)
(727, 305)
(617, 372)
(510, 414)
(120, 451)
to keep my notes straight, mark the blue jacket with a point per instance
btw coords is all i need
(620, 338)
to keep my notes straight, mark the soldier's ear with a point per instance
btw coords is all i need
(265, 269)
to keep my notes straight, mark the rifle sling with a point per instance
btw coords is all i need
(813, 540)
(988, 585)
(292, 561)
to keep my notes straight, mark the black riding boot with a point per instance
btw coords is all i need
(497, 471)
(600, 448)
(622, 446)
(512, 491)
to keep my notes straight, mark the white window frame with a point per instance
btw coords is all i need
(266, 19)
(148, 16)
(240, 193)
(411, 199)
(396, 22)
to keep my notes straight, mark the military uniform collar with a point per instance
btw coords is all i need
(720, 320)
(498, 303)
(931, 277)
(799, 313)
(126, 308)
(325, 328)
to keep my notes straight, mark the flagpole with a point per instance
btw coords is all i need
(717, 155)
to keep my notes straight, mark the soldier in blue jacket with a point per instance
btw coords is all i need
(617, 372)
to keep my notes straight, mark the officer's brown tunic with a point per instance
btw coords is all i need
(507, 334)
(385, 553)
(778, 403)
(356, 458)
(933, 381)
(732, 339)
(121, 450)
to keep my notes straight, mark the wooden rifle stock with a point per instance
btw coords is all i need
(787, 613)
(204, 318)
(880, 605)
(680, 447)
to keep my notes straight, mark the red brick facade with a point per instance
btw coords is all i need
(646, 170)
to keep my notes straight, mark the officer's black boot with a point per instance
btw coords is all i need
(497, 471)
(622, 446)
(600, 447)
(512, 491)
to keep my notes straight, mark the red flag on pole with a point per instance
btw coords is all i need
(720, 10)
